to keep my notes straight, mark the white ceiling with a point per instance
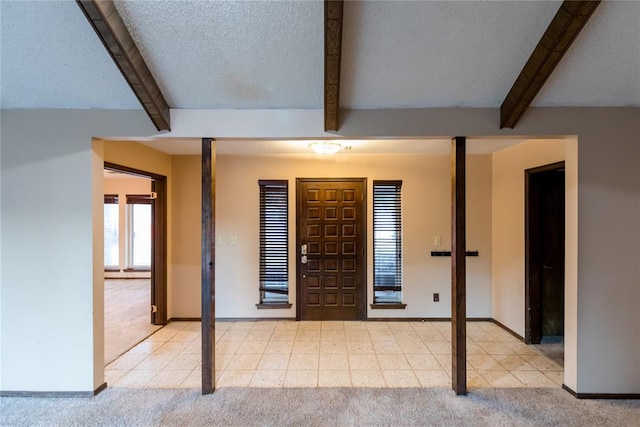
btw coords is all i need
(269, 55)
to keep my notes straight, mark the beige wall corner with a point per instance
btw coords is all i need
(508, 225)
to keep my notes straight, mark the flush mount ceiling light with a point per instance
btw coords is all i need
(327, 147)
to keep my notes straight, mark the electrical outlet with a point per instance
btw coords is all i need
(436, 297)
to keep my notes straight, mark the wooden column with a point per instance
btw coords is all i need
(458, 267)
(159, 256)
(208, 266)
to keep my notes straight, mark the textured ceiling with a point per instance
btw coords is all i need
(267, 54)
(51, 58)
(210, 54)
(437, 54)
(602, 68)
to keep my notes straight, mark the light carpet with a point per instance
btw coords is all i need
(320, 407)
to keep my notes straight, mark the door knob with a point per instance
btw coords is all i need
(304, 259)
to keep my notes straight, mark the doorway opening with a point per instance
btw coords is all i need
(135, 257)
(545, 258)
(331, 249)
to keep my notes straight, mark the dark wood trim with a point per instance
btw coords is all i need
(54, 394)
(448, 253)
(139, 199)
(159, 258)
(208, 266)
(425, 319)
(546, 168)
(158, 239)
(273, 182)
(111, 199)
(566, 388)
(333, 12)
(136, 270)
(132, 171)
(555, 42)
(274, 306)
(112, 32)
(389, 306)
(516, 335)
(527, 243)
(100, 389)
(602, 396)
(255, 319)
(185, 319)
(458, 266)
(112, 269)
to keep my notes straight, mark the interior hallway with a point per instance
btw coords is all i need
(332, 354)
(127, 304)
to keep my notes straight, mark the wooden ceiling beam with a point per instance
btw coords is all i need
(555, 42)
(108, 25)
(333, 11)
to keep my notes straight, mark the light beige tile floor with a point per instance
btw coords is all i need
(332, 354)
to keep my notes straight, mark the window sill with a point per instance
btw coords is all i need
(389, 306)
(134, 269)
(111, 269)
(271, 306)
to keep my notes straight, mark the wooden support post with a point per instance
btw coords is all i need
(159, 248)
(208, 266)
(458, 267)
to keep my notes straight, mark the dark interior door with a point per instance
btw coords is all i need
(552, 238)
(545, 242)
(331, 249)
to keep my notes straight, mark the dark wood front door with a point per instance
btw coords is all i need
(331, 251)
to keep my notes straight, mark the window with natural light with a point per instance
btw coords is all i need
(387, 242)
(111, 221)
(274, 242)
(139, 232)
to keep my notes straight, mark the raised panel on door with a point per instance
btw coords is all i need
(331, 267)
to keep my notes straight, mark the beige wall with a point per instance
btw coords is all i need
(137, 156)
(121, 187)
(426, 213)
(65, 305)
(51, 310)
(508, 224)
(603, 293)
(186, 241)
